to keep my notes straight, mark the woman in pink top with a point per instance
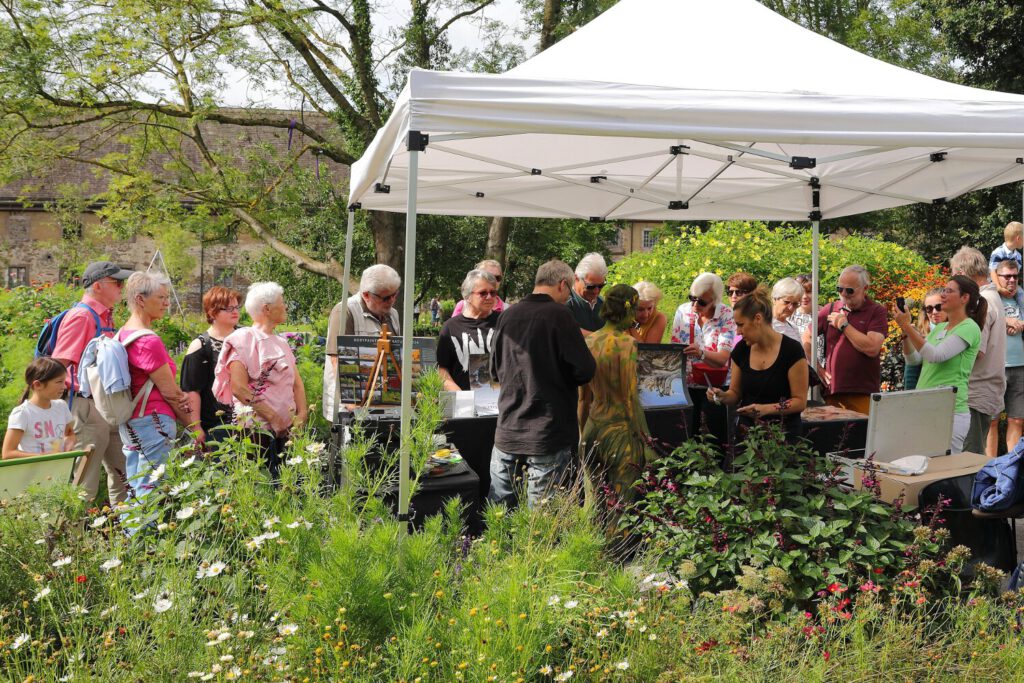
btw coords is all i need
(148, 436)
(256, 373)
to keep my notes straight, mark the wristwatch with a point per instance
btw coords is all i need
(846, 323)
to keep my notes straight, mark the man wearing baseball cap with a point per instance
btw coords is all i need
(102, 281)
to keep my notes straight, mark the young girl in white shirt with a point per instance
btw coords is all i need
(42, 423)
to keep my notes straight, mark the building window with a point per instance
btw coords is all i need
(650, 239)
(17, 276)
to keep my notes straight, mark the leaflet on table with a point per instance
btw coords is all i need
(356, 358)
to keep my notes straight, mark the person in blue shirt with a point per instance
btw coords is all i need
(1010, 249)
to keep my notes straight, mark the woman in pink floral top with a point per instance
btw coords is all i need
(706, 326)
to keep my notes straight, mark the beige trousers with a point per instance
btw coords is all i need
(91, 428)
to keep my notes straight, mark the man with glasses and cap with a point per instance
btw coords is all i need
(585, 298)
(854, 328)
(102, 281)
(364, 314)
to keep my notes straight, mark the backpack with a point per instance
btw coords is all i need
(104, 374)
(47, 340)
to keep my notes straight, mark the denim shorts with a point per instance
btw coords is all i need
(154, 433)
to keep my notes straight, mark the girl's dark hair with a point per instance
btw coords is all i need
(758, 301)
(42, 369)
(977, 306)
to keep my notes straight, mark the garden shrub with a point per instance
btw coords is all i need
(778, 525)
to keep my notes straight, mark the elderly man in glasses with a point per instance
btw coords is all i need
(585, 298)
(364, 313)
(1012, 303)
(854, 328)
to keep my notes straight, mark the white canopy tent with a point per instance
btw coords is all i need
(683, 110)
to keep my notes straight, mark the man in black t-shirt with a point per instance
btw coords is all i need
(540, 360)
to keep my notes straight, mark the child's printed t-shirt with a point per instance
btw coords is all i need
(43, 427)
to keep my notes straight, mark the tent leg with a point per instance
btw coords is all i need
(409, 286)
(815, 237)
(346, 277)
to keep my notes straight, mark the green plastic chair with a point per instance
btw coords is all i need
(17, 474)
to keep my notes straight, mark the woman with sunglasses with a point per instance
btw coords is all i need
(221, 306)
(931, 314)
(494, 268)
(948, 353)
(706, 329)
(466, 340)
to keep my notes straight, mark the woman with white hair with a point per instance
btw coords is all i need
(257, 373)
(706, 328)
(147, 436)
(650, 323)
(786, 296)
(494, 268)
(465, 343)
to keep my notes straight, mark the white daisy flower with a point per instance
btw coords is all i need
(185, 512)
(622, 666)
(139, 596)
(203, 502)
(188, 462)
(603, 633)
(62, 562)
(19, 641)
(653, 636)
(227, 658)
(207, 677)
(271, 535)
(216, 569)
(180, 488)
(268, 523)
(295, 524)
(297, 460)
(78, 609)
(243, 411)
(565, 675)
(316, 448)
(157, 473)
(112, 563)
(99, 521)
(287, 629)
(570, 604)
(221, 637)
(194, 674)
(162, 605)
(108, 611)
(554, 600)
(234, 673)
(162, 526)
(42, 594)
(40, 541)
(544, 670)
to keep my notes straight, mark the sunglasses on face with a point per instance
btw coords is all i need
(389, 297)
(937, 308)
(599, 285)
(486, 293)
(1008, 276)
(739, 292)
(848, 290)
(698, 301)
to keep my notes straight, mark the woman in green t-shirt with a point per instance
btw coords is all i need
(947, 355)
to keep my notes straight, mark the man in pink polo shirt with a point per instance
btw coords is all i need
(102, 281)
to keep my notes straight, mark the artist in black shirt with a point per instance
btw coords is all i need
(540, 360)
(464, 346)
(769, 371)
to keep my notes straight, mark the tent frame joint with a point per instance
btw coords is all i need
(676, 150)
(354, 206)
(937, 156)
(417, 141)
(536, 171)
(381, 188)
(801, 163)
(938, 201)
(598, 178)
(678, 205)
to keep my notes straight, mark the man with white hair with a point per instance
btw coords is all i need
(91, 317)
(585, 298)
(365, 313)
(854, 328)
(987, 383)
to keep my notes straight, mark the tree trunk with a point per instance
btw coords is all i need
(552, 16)
(389, 238)
(497, 239)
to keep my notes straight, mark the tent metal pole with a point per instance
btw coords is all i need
(409, 285)
(346, 277)
(815, 218)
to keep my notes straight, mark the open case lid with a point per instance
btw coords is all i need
(918, 422)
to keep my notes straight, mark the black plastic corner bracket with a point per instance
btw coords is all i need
(876, 397)
(381, 188)
(479, 195)
(676, 150)
(815, 183)
(536, 171)
(803, 162)
(354, 205)
(1020, 160)
(939, 200)
(598, 178)
(417, 141)
(937, 156)
(814, 215)
(677, 205)
(596, 219)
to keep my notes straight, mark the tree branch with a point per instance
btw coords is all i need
(330, 268)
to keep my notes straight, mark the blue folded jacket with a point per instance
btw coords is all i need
(997, 485)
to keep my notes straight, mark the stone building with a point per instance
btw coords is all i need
(49, 228)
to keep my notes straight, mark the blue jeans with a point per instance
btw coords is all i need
(544, 474)
(155, 434)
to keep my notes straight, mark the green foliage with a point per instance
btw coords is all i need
(532, 241)
(769, 254)
(782, 511)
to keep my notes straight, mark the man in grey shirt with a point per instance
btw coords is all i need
(987, 382)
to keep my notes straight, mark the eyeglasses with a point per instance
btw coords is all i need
(231, 309)
(389, 297)
(486, 293)
(599, 285)
(738, 292)
(937, 308)
(788, 304)
(698, 301)
(849, 290)
(1007, 276)
(118, 283)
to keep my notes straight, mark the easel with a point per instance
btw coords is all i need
(380, 366)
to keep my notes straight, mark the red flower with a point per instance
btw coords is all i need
(836, 588)
(826, 655)
(81, 578)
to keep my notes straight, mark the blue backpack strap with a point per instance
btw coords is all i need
(95, 319)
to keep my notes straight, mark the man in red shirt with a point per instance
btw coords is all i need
(854, 329)
(102, 282)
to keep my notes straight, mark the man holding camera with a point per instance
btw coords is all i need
(854, 328)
